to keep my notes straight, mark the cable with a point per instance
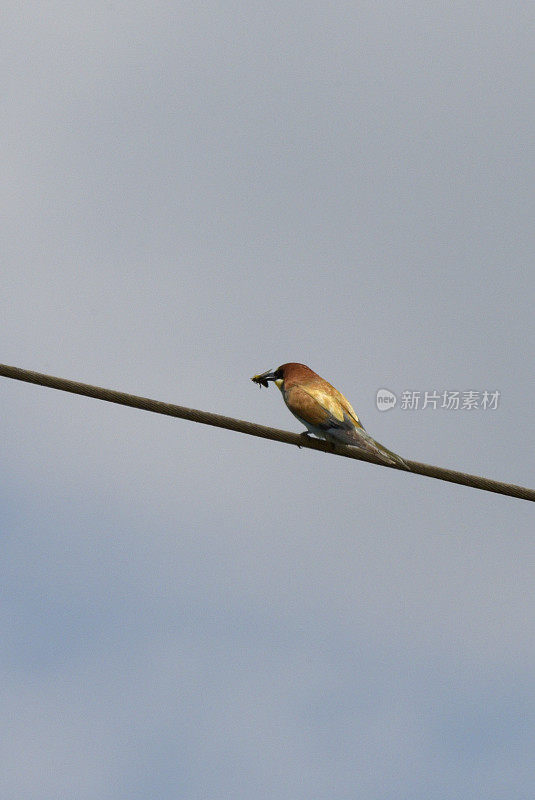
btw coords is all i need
(252, 429)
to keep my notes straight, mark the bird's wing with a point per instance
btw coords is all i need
(334, 403)
(348, 408)
(321, 407)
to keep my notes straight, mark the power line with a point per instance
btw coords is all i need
(253, 429)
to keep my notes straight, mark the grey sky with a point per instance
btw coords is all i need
(194, 193)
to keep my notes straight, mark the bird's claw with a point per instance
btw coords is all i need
(305, 435)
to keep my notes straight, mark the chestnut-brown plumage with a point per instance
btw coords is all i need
(323, 410)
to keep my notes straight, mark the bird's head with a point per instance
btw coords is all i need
(286, 372)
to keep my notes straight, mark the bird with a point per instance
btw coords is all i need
(324, 411)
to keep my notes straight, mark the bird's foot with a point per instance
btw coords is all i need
(305, 435)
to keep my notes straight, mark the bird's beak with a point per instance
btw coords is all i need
(263, 379)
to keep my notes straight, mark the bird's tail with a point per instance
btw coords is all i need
(386, 455)
(362, 439)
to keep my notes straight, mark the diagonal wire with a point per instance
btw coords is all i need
(253, 429)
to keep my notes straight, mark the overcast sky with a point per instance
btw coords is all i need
(196, 192)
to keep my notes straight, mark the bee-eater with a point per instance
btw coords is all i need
(323, 410)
